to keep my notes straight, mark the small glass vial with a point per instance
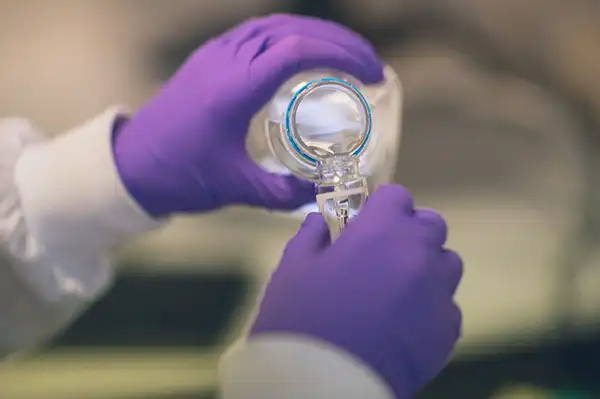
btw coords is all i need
(341, 190)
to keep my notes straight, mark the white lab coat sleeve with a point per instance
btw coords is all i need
(281, 366)
(63, 210)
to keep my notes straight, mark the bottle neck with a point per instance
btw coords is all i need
(341, 190)
(338, 170)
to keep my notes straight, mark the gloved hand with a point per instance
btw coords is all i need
(184, 151)
(383, 291)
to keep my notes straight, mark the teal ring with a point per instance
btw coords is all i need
(291, 106)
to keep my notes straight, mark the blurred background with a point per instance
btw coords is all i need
(501, 134)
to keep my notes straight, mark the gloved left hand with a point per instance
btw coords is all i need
(383, 292)
(184, 151)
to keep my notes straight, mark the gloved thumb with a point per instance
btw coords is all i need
(312, 237)
(278, 192)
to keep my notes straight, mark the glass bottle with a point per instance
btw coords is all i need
(326, 127)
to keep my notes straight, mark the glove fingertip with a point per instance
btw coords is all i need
(374, 75)
(312, 218)
(313, 234)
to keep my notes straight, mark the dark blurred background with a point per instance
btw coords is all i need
(500, 133)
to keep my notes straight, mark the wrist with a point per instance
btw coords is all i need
(294, 366)
(139, 174)
(380, 354)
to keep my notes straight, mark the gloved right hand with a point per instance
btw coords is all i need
(382, 292)
(184, 150)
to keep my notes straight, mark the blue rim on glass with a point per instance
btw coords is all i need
(293, 106)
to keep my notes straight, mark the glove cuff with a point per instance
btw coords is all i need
(295, 367)
(72, 194)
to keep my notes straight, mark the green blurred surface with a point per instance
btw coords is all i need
(110, 373)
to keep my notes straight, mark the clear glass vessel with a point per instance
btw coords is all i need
(327, 127)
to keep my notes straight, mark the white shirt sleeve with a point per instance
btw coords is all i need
(63, 210)
(278, 366)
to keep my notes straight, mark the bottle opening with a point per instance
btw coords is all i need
(328, 117)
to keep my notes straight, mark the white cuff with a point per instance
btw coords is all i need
(281, 366)
(71, 191)
(75, 206)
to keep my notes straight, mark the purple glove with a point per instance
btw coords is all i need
(184, 151)
(382, 292)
